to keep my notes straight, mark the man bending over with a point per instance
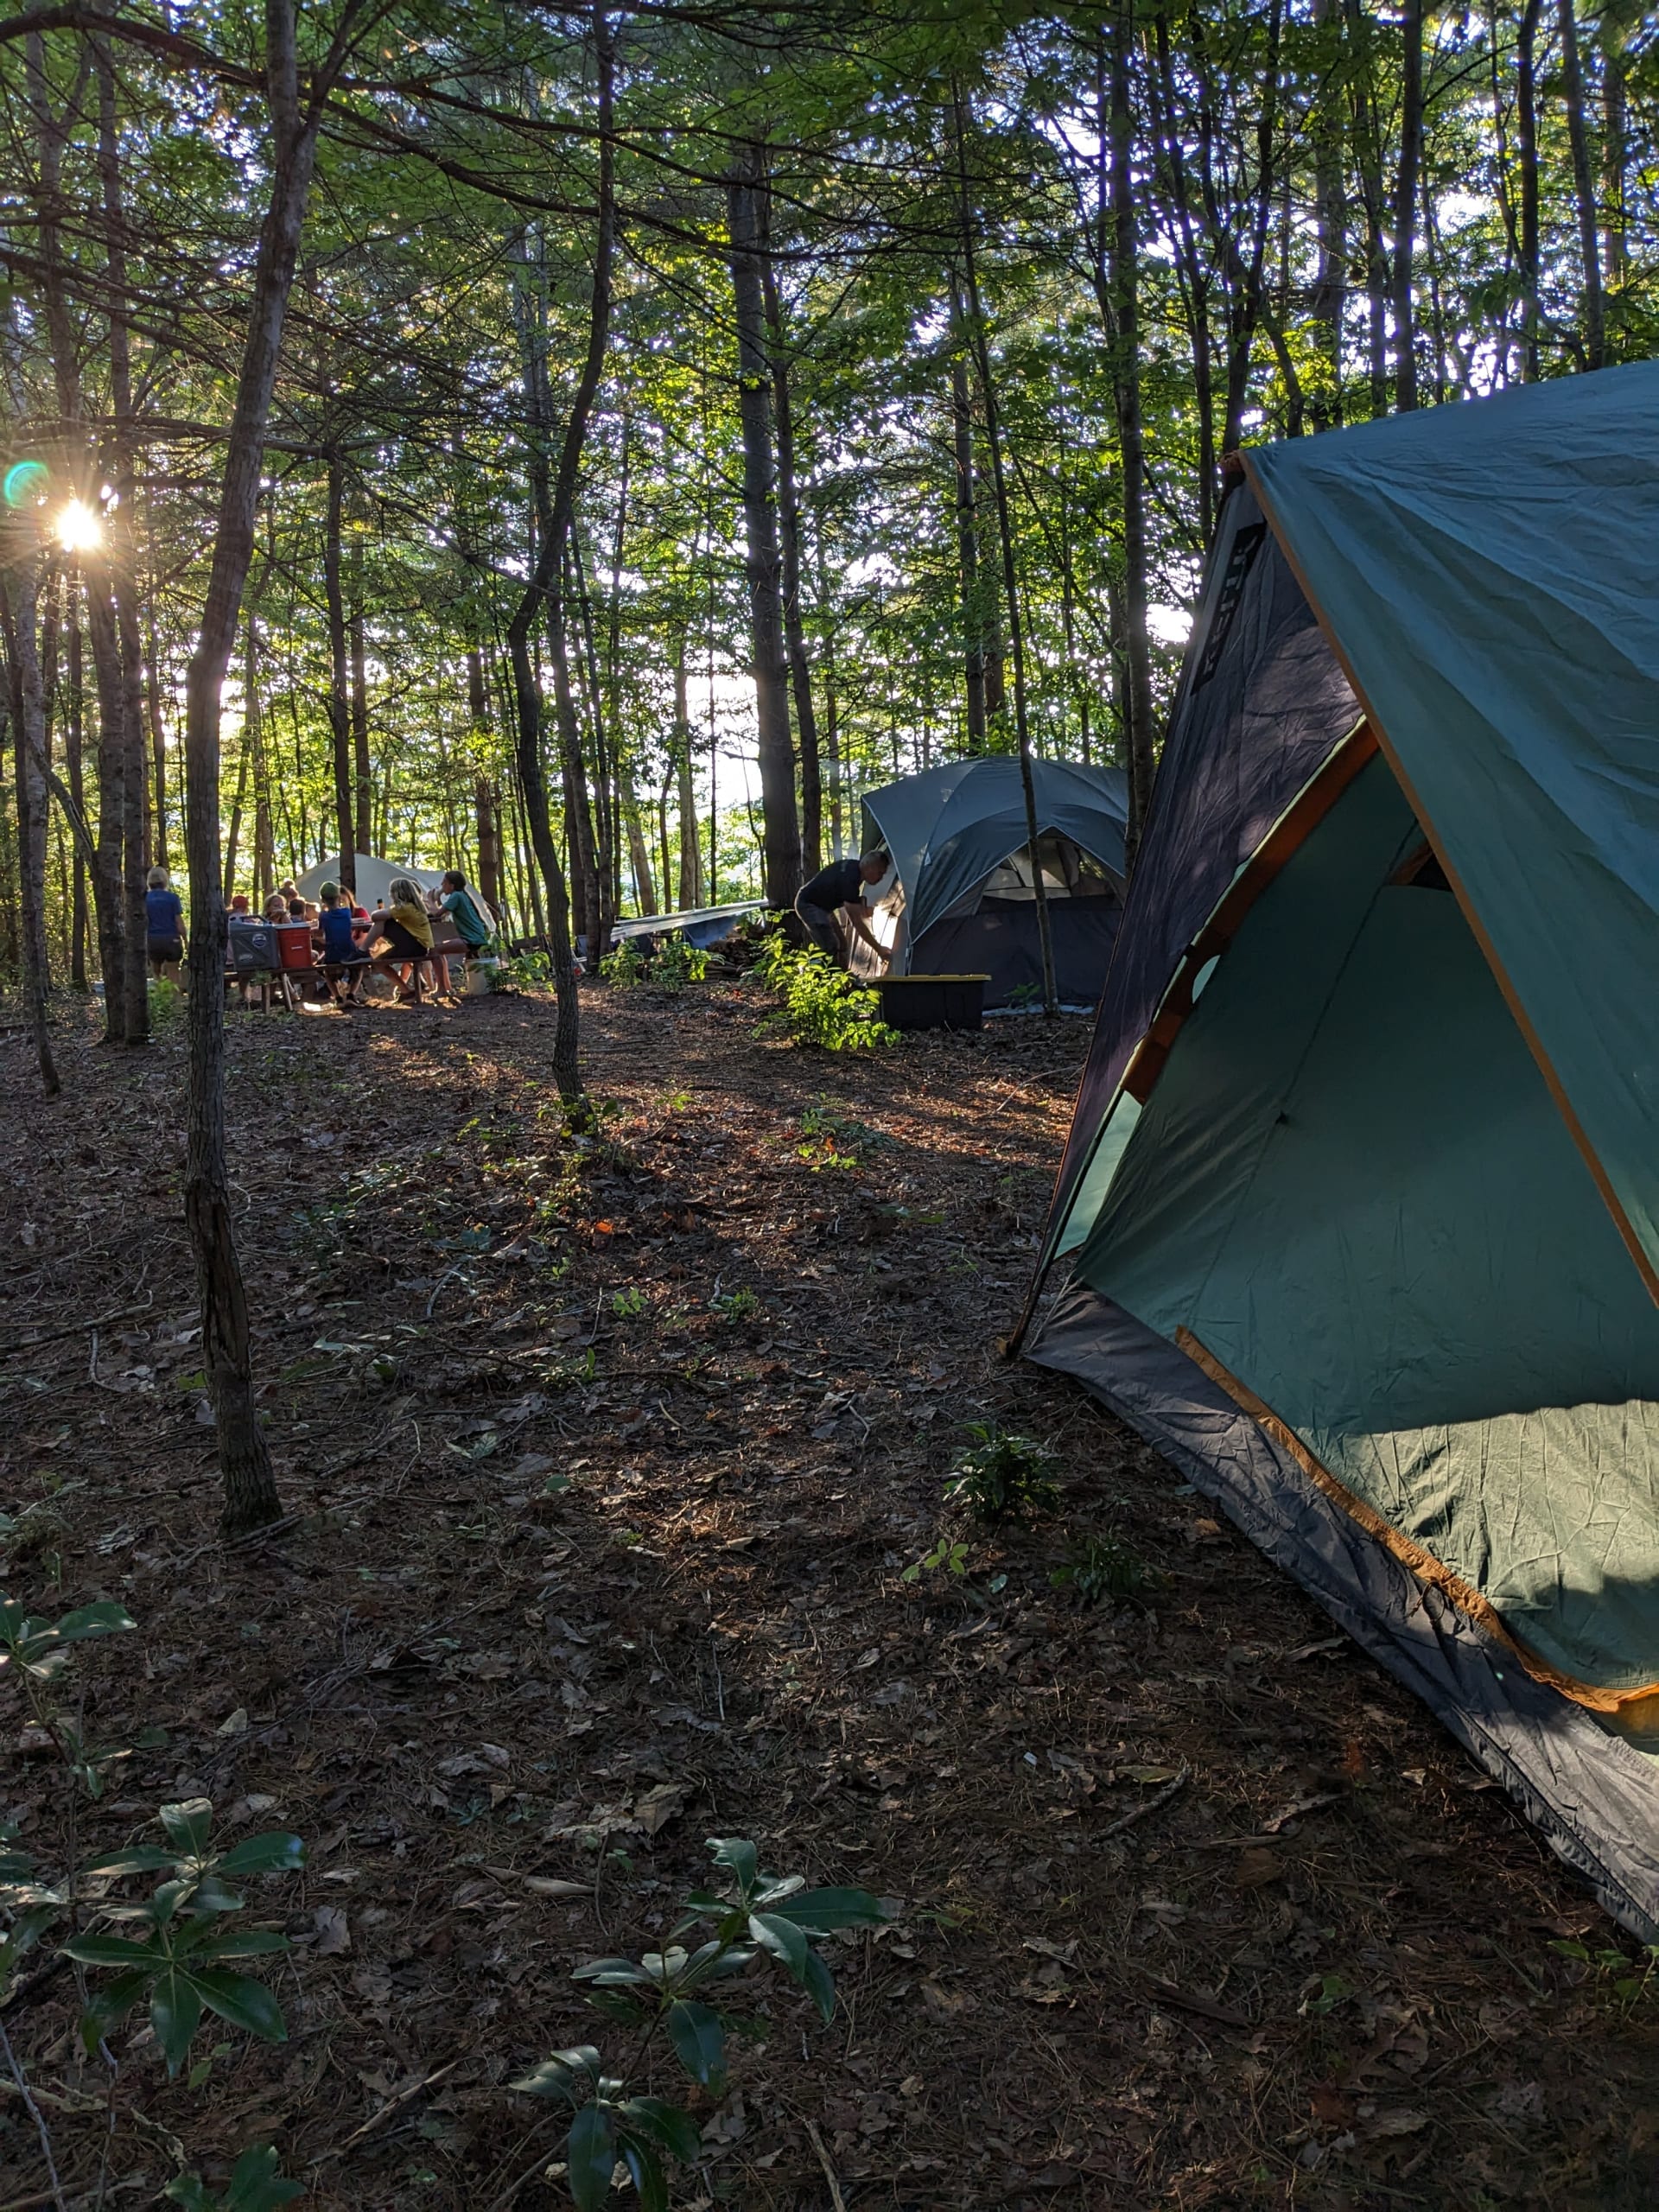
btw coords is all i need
(832, 905)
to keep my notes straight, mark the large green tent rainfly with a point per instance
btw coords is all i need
(1359, 1217)
(961, 899)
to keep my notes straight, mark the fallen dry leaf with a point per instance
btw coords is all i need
(333, 1931)
(657, 1806)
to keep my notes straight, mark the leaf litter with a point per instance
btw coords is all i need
(591, 1554)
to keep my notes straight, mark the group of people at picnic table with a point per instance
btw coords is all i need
(410, 936)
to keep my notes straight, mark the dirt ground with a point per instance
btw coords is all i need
(1195, 1907)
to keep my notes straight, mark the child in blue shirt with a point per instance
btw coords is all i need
(343, 958)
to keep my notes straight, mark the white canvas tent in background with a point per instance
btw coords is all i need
(373, 876)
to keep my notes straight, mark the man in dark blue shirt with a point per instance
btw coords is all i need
(832, 903)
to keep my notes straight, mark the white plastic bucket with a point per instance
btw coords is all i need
(480, 977)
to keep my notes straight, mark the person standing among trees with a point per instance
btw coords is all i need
(164, 926)
(830, 905)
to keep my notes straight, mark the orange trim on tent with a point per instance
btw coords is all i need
(1645, 1265)
(1292, 830)
(1636, 1707)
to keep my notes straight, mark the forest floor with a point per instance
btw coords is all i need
(1196, 1908)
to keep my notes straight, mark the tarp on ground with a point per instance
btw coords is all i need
(701, 926)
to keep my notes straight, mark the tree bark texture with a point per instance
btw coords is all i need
(1526, 146)
(788, 526)
(781, 821)
(1331, 282)
(251, 1498)
(362, 769)
(339, 707)
(546, 583)
(74, 761)
(967, 520)
(1124, 278)
(1594, 312)
(691, 890)
(1010, 573)
(21, 607)
(118, 952)
(1405, 204)
(123, 565)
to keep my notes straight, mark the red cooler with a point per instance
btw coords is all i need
(294, 944)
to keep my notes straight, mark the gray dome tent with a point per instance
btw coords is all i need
(961, 897)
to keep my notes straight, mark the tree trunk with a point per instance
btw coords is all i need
(158, 752)
(691, 893)
(1404, 204)
(1331, 281)
(546, 583)
(73, 736)
(1526, 136)
(233, 836)
(1615, 168)
(19, 598)
(485, 803)
(251, 1498)
(605, 857)
(117, 951)
(644, 884)
(489, 843)
(1190, 268)
(1124, 276)
(362, 769)
(1010, 573)
(972, 597)
(122, 563)
(340, 707)
(780, 822)
(264, 842)
(789, 525)
(587, 892)
(1584, 187)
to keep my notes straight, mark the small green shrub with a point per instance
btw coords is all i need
(676, 964)
(950, 1556)
(629, 1305)
(625, 968)
(522, 971)
(255, 2186)
(835, 1140)
(1102, 1568)
(735, 1306)
(668, 1997)
(1628, 1981)
(1004, 1477)
(821, 1006)
(180, 1965)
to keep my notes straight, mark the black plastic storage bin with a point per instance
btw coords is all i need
(253, 947)
(933, 1001)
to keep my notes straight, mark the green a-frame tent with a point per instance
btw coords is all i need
(1359, 1216)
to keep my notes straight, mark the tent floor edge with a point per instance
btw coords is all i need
(1594, 1798)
